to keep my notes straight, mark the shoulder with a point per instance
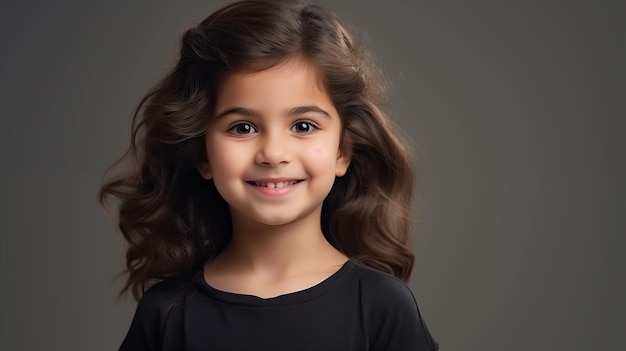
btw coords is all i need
(162, 297)
(382, 288)
(392, 314)
(166, 291)
(159, 305)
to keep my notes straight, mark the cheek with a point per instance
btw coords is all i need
(322, 156)
(226, 162)
(317, 151)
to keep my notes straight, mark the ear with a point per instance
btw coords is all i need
(342, 165)
(344, 156)
(204, 168)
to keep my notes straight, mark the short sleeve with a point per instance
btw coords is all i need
(143, 333)
(156, 310)
(397, 322)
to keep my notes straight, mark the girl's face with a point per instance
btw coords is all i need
(273, 145)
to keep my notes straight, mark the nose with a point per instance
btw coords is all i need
(274, 149)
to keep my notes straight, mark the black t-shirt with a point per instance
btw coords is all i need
(357, 308)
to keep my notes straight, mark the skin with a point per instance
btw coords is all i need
(273, 151)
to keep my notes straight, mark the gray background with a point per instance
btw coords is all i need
(517, 114)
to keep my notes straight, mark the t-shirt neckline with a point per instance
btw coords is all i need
(285, 299)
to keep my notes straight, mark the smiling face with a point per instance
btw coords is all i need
(273, 145)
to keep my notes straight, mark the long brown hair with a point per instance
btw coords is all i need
(174, 220)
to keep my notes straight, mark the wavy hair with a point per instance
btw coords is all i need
(174, 220)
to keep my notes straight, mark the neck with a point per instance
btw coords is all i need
(279, 249)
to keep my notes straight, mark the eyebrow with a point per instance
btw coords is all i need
(299, 110)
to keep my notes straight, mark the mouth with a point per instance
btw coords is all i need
(281, 184)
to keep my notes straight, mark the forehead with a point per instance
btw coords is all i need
(294, 81)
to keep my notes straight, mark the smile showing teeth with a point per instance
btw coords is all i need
(276, 184)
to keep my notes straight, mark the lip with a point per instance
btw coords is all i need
(278, 187)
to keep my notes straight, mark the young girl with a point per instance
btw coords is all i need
(269, 195)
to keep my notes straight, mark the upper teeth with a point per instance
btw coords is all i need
(276, 184)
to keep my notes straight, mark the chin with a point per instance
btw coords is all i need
(278, 221)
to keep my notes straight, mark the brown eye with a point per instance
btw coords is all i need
(242, 129)
(303, 127)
